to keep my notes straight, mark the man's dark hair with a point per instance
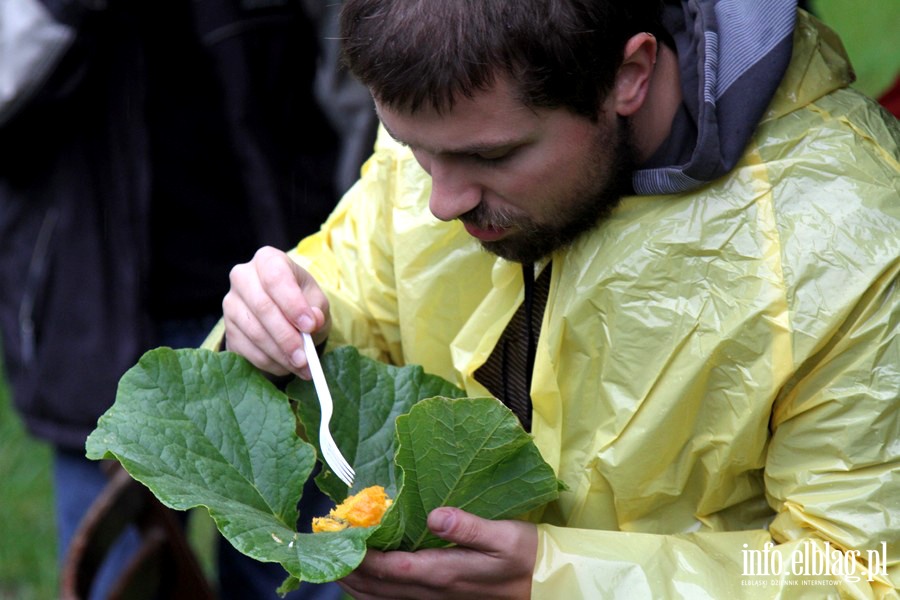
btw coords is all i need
(559, 53)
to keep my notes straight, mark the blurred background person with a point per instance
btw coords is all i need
(145, 148)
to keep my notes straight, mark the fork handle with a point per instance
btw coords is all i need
(318, 377)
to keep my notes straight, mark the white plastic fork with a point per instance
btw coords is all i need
(330, 452)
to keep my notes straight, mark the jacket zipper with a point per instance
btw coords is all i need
(37, 267)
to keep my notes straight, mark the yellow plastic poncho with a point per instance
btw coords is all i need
(717, 371)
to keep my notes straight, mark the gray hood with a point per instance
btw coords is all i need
(733, 54)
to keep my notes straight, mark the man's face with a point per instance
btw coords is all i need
(523, 181)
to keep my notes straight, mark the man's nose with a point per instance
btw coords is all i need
(453, 191)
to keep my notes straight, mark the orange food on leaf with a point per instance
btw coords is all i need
(363, 509)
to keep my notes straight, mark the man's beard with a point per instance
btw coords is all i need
(606, 178)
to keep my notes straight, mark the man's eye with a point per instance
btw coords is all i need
(493, 157)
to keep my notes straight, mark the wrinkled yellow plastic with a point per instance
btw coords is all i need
(716, 371)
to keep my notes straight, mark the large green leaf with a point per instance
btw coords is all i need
(207, 429)
(368, 397)
(201, 428)
(470, 453)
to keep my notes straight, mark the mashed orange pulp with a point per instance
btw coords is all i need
(363, 509)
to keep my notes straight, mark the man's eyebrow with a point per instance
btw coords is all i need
(476, 148)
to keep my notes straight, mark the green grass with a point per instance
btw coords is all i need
(27, 525)
(28, 565)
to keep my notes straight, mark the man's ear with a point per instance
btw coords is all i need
(633, 77)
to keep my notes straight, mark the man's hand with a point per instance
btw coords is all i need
(272, 299)
(491, 559)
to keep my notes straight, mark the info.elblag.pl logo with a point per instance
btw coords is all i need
(814, 559)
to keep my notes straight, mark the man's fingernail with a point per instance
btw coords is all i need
(306, 323)
(441, 521)
(298, 357)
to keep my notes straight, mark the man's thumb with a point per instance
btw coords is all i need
(461, 528)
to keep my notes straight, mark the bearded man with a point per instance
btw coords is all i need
(665, 235)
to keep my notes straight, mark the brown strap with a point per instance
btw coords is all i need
(507, 371)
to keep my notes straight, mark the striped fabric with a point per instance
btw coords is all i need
(732, 56)
(507, 371)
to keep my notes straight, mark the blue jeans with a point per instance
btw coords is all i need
(78, 482)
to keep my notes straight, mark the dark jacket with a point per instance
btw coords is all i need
(170, 141)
